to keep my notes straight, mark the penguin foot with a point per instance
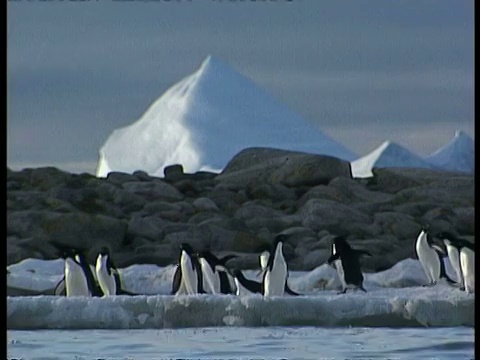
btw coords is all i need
(342, 292)
(462, 288)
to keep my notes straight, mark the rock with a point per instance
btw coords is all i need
(153, 190)
(261, 193)
(275, 166)
(204, 204)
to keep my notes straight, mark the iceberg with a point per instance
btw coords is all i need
(204, 120)
(456, 155)
(395, 298)
(388, 154)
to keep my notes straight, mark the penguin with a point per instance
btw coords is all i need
(431, 257)
(190, 273)
(346, 261)
(461, 254)
(245, 286)
(263, 260)
(276, 272)
(214, 273)
(77, 279)
(93, 286)
(107, 275)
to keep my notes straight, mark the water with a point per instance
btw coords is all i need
(244, 343)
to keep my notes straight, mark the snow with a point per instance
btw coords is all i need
(204, 120)
(395, 297)
(456, 155)
(388, 154)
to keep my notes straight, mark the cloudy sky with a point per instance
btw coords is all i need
(362, 71)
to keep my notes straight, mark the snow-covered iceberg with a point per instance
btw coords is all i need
(204, 120)
(388, 154)
(456, 155)
(395, 297)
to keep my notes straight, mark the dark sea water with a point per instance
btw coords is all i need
(244, 343)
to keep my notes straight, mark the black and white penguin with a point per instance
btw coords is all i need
(107, 274)
(461, 254)
(188, 278)
(93, 286)
(214, 272)
(276, 272)
(78, 279)
(431, 257)
(263, 260)
(346, 261)
(245, 286)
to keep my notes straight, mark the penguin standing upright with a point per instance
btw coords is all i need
(276, 272)
(188, 278)
(431, 257)
(93, 286)
(461, 254)
(108, 275)
(214, 272)
(263, 260)
(346, 260)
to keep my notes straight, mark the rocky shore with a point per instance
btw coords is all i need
(260, 193)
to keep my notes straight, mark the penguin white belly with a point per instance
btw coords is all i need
(211, 279)
(275, 280)
(467, 262)
(340, 272)
(189, 276)
(75, 280)
(106, 282)
(454, 258)
(429, 260)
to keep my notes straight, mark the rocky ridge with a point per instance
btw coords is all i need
(260, 193)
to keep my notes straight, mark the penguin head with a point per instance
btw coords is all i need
(340, 244)
(187, 248)
(211, 258)
(278, 241)
(104, 251)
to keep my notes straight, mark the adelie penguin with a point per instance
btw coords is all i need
(346, 260)
(78, 279)
(276, 272)
(107, 275)
(188, 277)
(461, 254)
(215, 274)
(431, 256)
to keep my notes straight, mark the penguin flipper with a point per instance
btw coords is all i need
(60, 289)
(177, 278)
(290, 291)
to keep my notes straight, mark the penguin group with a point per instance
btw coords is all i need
(83, 279)
(204, 273)
(459, 251)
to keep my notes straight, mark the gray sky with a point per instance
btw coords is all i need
(363, 71)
